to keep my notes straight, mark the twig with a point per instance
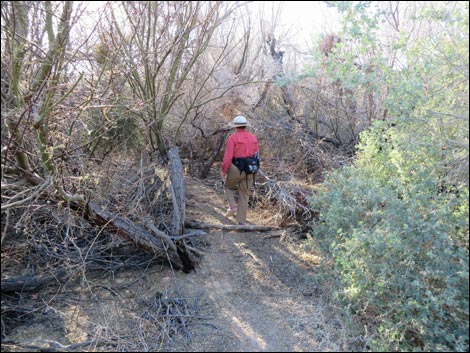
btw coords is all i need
(269, 236)
(36, 192)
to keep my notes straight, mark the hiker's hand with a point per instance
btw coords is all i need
(222, 175)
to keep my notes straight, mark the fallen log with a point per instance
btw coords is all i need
(149, 241)
(154, 241)
(32, 283)
(246, 227)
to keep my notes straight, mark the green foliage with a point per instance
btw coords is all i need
(116, 129)
(396, 223)
(401, 252)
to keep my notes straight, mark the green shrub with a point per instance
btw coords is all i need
(400, 246)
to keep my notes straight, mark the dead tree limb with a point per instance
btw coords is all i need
(32, 283)
(42, 345)
(142, 238)
(246, 227)
(148, 238)
(166, 239)
(215, 152)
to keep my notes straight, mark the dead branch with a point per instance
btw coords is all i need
(247, 227)
(292, 199)
(161, 235)
(33, 193)
(146, 236)
(138, 235)
(193, 233)
(270, 236)
(169, 315)
(32, 283)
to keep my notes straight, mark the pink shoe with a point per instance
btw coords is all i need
(232, 211)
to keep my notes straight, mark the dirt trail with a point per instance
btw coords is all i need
(255, 291)
(260, 286)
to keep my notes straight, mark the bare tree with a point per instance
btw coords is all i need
(161, 44)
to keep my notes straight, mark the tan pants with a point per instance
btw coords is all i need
(238, 182)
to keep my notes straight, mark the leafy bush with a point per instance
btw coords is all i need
(399, 244)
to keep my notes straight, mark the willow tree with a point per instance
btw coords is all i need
(160, 43)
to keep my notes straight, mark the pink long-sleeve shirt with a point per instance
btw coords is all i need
(241, 144)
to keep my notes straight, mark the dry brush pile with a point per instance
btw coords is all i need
(50, 245)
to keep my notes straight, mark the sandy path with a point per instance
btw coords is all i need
(262, 291)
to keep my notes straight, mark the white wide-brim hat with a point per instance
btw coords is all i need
(239, 121)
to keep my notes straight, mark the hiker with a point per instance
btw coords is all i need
(240, 145)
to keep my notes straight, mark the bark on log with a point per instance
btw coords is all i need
(246, 227)
(141, 237)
